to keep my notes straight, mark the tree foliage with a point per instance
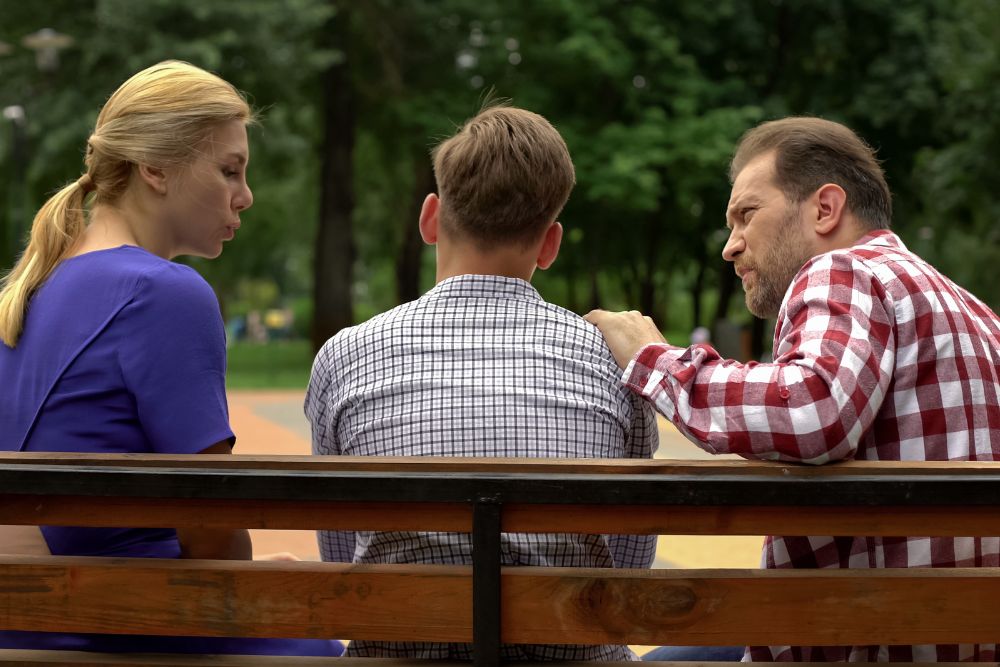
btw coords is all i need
(650, 96)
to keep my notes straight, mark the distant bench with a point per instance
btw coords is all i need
(486, 603)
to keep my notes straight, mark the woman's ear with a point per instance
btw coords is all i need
(154, 177)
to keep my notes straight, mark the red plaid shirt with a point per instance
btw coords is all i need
(877, 356)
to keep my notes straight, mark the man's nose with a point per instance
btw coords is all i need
(734, 246)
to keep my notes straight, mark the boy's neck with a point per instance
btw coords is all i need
(457, 259)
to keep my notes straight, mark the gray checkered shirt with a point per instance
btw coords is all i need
(478, 366)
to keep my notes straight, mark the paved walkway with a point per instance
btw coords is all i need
(271, 422)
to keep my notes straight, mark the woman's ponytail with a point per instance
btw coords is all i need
(57, 226)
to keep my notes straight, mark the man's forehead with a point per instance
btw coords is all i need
(757, 175)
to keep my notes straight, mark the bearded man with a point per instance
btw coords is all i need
(877, 355)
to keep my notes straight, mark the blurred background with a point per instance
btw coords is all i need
(650, 96)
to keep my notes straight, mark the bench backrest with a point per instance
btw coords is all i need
(485, 603)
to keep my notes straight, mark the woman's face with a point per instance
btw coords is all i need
(205, 197)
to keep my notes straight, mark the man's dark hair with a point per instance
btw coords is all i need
(810, 152)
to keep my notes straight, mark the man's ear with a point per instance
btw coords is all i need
(154, 177)
(429, 219)
(831, 205)
(549, 249)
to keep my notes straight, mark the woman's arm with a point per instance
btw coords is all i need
(221, 543)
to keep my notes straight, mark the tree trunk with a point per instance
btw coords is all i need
(647, 277)
(757, 329)
(696, 291)
(661, 313)
(595, 291)
(334, 260)
(727, 286)
(411, 248)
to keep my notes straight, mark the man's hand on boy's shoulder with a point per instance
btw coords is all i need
(626, 333)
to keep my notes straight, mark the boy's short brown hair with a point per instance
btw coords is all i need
(502, 178)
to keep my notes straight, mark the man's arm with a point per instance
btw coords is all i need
(638, 551)
(334, 546)
(834, 360)
(644, 435)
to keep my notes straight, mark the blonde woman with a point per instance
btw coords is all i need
(110, 347)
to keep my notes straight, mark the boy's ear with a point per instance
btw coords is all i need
(549, 249)
(154, 177)
(429, 219)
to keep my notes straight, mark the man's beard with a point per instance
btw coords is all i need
(774, 271)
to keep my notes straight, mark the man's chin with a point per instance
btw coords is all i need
(758, 309)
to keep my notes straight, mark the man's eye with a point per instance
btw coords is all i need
(747, 213)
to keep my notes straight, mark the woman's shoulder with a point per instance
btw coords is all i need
(138, 276)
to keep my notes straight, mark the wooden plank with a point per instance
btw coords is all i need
(235, 598)
(794, 489)
(73, 658)
(758, 607)
(114, 512)
(500, 464)
(600, 519)
(734, 520)
(540, 605)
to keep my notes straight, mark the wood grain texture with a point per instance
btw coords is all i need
(540, 605)
(117, 512)
(624, 519)
(74, 658)
(726, 607)
(235, 598)
(736, 520)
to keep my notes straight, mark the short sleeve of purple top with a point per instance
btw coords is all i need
(122, 352)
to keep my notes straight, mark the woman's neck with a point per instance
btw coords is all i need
(113, 226)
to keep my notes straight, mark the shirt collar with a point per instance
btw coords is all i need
(472, 285)
(883, 238)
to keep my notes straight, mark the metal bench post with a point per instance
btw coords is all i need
(486, 582)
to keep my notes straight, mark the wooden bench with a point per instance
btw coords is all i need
(484, 603)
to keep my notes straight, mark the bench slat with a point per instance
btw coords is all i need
(73, 658)
(635, 520)
(540, 605)
(473, 464)
(690, 486)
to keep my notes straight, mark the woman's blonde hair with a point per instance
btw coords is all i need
(158, 117)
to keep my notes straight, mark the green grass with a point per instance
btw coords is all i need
(275, 365)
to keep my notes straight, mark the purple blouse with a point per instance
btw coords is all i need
(122, 352)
